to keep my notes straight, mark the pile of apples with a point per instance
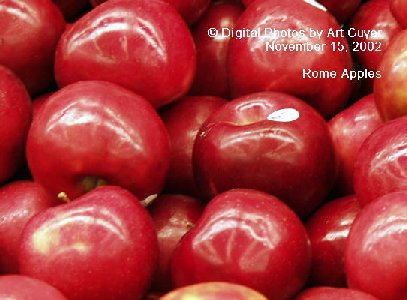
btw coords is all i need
(142, 158)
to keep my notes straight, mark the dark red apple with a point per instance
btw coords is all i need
(173, 216)
(375, 257)
(349, 129)
(29, 32)
(390, 89)
(211, 75)
(101, 246)
(18, 287)
(214, 291)
(183, 120)
(245, 237)
(381, 162)
(93, 133)
(329, 293)
(328, 230)
(19, 202)
(15, 119)
(378, 26)
(267, 141)
(71, 8)
(142, 45)
(399, 10)
(263, 61)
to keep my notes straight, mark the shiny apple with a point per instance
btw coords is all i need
(399, 10)
(245, 237)
(328, 293)
(260, 63)
(349, 129)
(173, 216)
(375, 259)
(381, 162)
(92, 133)
(328, 230)
(101, 246)
(267, 141)
(183, 120)
(142, 45)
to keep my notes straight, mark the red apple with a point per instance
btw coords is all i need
(183, 120)
(328, 230)
(18, 287)
(390, 89)
(261, 63)
(399, 10)
(143, 45)
(173, 216)
(101, 246)
(92, 133)
(375, 257)
(15, 119)
(349, 129)
(19, 202)
(245, 237)
(71, 8)
(214, 291)
(39, 102)
(267, 141)
(29, 32)
(211, 74)
(381, 162)
(329, 293)
(373, 15)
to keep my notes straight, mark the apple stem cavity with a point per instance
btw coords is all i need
(90, 182)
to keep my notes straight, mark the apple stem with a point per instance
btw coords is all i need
(190, 225)
(149, 200)
(64, 197)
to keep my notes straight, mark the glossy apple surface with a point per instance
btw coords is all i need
(20, 287)
(328, 293)
(211, 74)
(399, 10)
(373, 15)
(328, 230)
(245, 237)
(375, 257)
(71, 9)
(381, 162)
(349, 129)
(142, 45)
(173, 216)
(253, 69)
(93, 133)
(390, 89)
(15, 119)
(183, 120)
(19, 202)
(101, 246)
(267, 141)
(38, 103)
(39, 24)
(214, 291)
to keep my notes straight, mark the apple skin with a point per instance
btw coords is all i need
(173, 216)
(37, 23)
(19, 202)
(349, 129)
(211, 73)
(374, 15)
(38, 103)
(245, 237)
(328, 229)
(253, 69)
(375, 259)
(94, 132)
(107, 43)
(101, 246)
(328, 293)
(381, 162)
(183, 120)
(15, 119)
(290, 155)
(399, 10)
(214, 291)
(390, 89)
(71, 9)
(19, 287)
